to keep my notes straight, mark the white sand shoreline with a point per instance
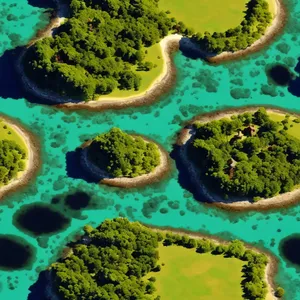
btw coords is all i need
(32, 161)
(278, 201)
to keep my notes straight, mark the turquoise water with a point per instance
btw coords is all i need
(200, 88)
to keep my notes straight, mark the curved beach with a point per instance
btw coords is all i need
(271, 33)
(233, 204)
(33, 159)
(124, 182)
(271, 268)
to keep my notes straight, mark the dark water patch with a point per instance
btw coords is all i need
(240, 93)
(290, 249)
(77, 200)
(39, 218)
(268, 90)
(16, 253)
(279, 74)
(152, 205)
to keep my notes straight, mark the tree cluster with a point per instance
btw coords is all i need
(248, 155)
(257, 19)
(122, 155)
(111, 264)
(98, 48)
(12, 160)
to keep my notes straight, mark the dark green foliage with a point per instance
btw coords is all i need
(122, 155)
(98, 48)
(254, 25)
(111, 265)
(279, 292)
(247, 155)
(12, 160)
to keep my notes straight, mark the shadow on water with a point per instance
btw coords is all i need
(75, 170)
(294, 86)
(190, 49)
(41, 289)
(11, 85)
(42, 3)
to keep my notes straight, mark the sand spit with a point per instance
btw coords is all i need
(124, 182)
(233, 204)
(271, 33)
(271, 268)
(33, 160)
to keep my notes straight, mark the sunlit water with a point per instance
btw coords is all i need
(200, 88)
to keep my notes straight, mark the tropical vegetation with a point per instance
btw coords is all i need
(247, 155)
(123, 155)
(119, 260)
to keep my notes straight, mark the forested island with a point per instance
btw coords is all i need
(252, 155)
(121, 159)
(121, 260)
(103, 45)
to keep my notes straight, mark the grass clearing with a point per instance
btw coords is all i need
(206, 15)
(293, 128)
(191, 275)
(154, 55)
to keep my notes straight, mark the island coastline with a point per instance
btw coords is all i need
(162, 84)
(213, 199)
(32, 161)
(156, 175)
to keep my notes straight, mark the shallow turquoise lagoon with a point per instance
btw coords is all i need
(200, 88)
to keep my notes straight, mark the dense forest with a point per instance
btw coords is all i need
(257, 19)
(96, 50)
(247, 155)
(12, 160)
(122, 155)
(112, 261)
(102, 46)
(110, 264)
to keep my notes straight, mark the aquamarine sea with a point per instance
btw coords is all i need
(200, 88)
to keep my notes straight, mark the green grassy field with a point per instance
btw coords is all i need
(154, 55)
(293, 128)
(10, 134)
(191, 275)
(206, 15)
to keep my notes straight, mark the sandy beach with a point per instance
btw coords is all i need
(271, 268)
(124, 182)
(33, 160)
(234, 203)
(271, 33)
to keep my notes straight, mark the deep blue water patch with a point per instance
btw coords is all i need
(290, 250)
(15, 252)
(39, 218)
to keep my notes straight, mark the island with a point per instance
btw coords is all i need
(126, 260)
(118, 52)
(118, 159)
(247, 160)
(19, 155)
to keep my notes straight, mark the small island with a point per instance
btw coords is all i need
(244, 160)
(124, 260)
(19, 156)
(120, 52)
(122, 160)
